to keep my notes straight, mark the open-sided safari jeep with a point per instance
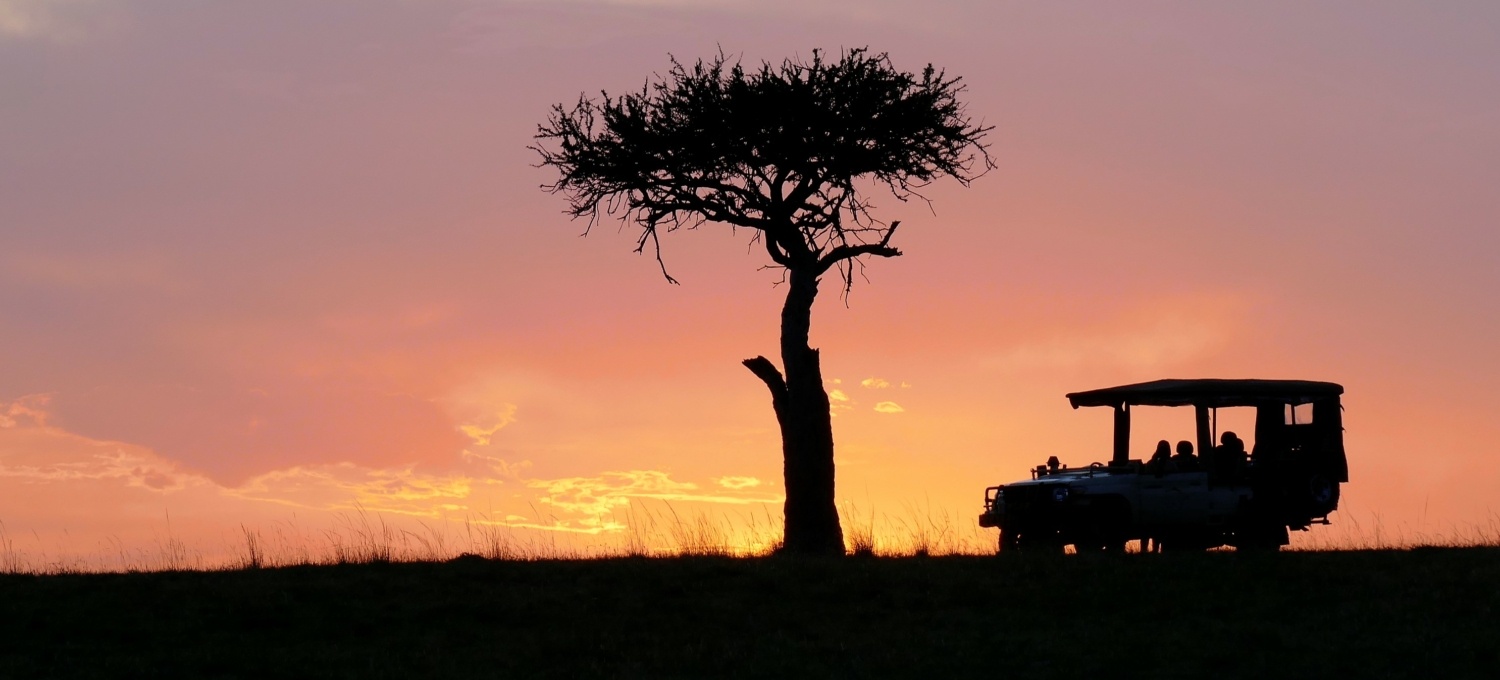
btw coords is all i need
(1224, 496)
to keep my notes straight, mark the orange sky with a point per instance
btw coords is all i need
(262, 262)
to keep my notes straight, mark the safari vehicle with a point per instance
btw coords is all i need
(1225, 496)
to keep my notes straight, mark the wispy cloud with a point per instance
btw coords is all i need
(60, 20)
(33, 452)
(134, 470)
(483, 428)
(347, 486)
(29, 409)
(71, 458)
(599, 498)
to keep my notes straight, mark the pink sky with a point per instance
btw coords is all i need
(281, 257)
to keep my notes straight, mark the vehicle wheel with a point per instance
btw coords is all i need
(1261, 539)
(1181, 545)
(1008, 542)
(1258, 547)
(1041, 546)
(1324, 494)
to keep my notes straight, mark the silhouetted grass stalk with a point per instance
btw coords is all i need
(645, 529)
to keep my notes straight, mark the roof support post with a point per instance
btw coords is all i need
(1205, 431)
(1122, 434)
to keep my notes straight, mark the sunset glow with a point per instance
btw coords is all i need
(283, 266)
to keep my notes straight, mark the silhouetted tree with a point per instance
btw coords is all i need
(785, 151)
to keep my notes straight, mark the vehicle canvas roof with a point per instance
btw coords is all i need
(1213, 392)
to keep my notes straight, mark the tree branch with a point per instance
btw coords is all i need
(840, 253)
(766, 371)
(777, 254)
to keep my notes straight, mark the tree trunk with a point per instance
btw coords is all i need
(812, 520)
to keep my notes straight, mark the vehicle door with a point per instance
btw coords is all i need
(1174, 499)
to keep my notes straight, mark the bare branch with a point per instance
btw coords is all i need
(766, 371)
(640, 246)
(847, 252)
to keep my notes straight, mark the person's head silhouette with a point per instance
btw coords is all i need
(1163, 450)
(1185, 448)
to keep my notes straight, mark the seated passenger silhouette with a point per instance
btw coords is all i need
(1232, 446)
(1185, 460)
(1226, 461)
(1160, 460)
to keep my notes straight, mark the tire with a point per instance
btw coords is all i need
(1257, 547)
(1008, 542)
(1183, 545)
(1261, 539)
(1108, 546)
(1047, 545)
(1322, 494)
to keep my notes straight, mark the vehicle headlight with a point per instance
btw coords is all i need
(1060, 494)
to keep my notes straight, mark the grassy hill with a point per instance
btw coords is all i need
(1422, 613)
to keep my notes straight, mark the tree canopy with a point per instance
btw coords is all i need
(780, 149)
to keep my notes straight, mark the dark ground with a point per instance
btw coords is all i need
(1428, 613)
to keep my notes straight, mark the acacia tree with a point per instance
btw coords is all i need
(787, 151)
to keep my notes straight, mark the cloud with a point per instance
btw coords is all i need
(34, 452)
(838, 401)
(132, 468)
(28, 408)
(874, 383)
(57, 20)
(497, 465)
(600, 500)
(23, 17)
(69, 467)
(889, 407)
(483, 428)
(347, 486)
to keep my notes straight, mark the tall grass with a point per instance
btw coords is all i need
(254, 554)
(644, 530)
(12, 561)
(1349, 532)
(859, 533)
